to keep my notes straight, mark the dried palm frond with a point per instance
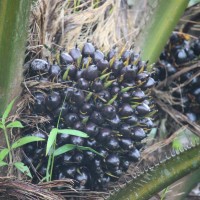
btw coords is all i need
(11, 188)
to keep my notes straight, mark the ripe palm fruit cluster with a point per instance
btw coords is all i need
(105, 96)
(180, 52)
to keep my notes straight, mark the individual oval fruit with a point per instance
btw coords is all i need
(39, 66)
(65, 58)
(126, 110)
(75, 53)
(113, 160)
(134, 155)
(88, 49)
(53, 100)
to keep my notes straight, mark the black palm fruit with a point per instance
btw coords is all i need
(112, 143)
(70, 119)
(63, 139)
(98, 56)
(128, 55)
(126, 110)
(69, 171)
(97, 118)
(104, 134)
(111, 54)
(129, 72)
(92, 129)
(83, 84)
(88, 49)
(83, 177)
(138, 134)
(91, 73)
(78, 157)
(39, 104)
(75, 53)
(97, 85)
(54, 71)
(39, 66)
(65, 59)
(87, 108)
(76, 140)
(109, 111)
(107, 97)
(126, 143)
(63, 109)
(78, 97)
(134, 155)
(196, 47)
(112, 160)
(117, 67)
(69, 70)
(53, 100)
(102, 65)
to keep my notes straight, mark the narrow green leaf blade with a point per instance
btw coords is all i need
(7, 111)
(2, 163)
(23, 168)
(25, 140)
(63, 149)
(51, 139)
(3, 153)
(15, 124)
(88, 149)
(73, 132)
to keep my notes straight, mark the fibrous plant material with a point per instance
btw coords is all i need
(10, 188)
(65, 23)
(106, 96)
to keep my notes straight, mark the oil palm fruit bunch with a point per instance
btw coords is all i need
(106, 96)
(181, 51)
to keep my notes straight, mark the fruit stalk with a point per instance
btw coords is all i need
(160, 176)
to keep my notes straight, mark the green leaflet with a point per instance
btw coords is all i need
(25, 140)
(23, 168)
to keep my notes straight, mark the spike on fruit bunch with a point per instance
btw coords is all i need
(106, 96)
(182, 51)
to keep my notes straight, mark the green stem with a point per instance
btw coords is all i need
(8, 144)
(160, 176)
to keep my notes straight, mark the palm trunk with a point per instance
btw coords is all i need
(14, 16)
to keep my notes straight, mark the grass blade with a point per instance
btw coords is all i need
(7, 111)
(2, 163)
(73, 132)
(88, 149)
(63, 149)
(23, 168)
(15, 124)
(51, 139)
(25, 140)
(3, 153)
